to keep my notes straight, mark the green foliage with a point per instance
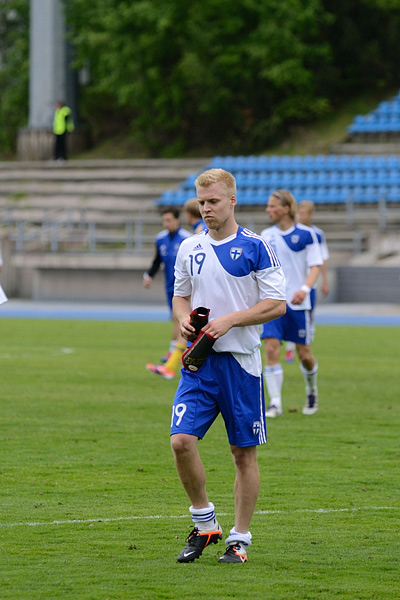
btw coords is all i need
(363, 36)
(14, 71)
(223, 74)
(227, 75)
(209, 75)
(91, 506)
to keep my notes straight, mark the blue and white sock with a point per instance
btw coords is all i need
(205, 518)
(310, 378)
(274, 379)
(235, 536)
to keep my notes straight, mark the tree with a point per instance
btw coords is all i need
(215, 73)
(14, 71)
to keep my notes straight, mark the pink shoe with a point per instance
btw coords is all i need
(160, 370)
(289, 356)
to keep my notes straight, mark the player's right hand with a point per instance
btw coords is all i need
(188, 332)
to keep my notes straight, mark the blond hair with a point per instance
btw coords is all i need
(308, 204)
(286, 199)
(192, 207)
(217, 176)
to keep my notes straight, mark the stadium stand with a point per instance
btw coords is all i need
(384, 119)
(85, 230)
(324, 179)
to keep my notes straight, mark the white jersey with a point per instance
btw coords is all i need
(322, 242)
(226, 276)
(298, 250)
(3, 297)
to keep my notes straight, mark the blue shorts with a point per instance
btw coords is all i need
(221, 386)
(294, 326)
(169, 295)
(313, 298)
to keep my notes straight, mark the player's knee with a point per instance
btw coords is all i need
(181, 444)
(244, 457)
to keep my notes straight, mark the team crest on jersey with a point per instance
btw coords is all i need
(235, 253)
(256, 427)
(294, 238)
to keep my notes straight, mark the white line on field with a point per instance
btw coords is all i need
(146, 517)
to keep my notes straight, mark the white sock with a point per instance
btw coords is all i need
(172, 345)
(274, 380)
(290, 346)
(235, 536)
(204, 518)
(310, 377)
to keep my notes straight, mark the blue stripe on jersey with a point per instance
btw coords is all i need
(245, 254)
(319, 236)
(271, 252)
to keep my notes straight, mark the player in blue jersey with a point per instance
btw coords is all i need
(234, 273)
(167, 244)
(305, 212)
(298, 250)
(192, 215)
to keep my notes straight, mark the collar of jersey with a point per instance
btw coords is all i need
(225, 240)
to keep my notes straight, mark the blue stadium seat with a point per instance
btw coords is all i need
(322, 178)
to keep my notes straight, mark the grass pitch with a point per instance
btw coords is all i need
(91, 506)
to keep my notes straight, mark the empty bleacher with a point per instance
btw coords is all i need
(384, 119)
(324, 179)
(86, 230)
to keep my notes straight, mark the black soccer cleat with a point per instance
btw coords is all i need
(236, 553)
(196, 542)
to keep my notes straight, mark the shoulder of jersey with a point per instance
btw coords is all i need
(266, 230)
(185, 233)
(304, 227)
(248, 234)
(193, 239)
(317, 230)
(162, 234)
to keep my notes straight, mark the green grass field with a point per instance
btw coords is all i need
(91, 506)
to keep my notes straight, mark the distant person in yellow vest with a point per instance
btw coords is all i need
(62, 124)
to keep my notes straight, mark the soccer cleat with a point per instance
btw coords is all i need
(289, 356)
(196, 542)
(311, 405)
(236, 553)
(274, 411)
(165, 358)
(160, 370)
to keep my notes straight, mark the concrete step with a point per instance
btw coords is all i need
(366, 148)
(106, 203)
(152, 175)
(84, 188)
(186, 164)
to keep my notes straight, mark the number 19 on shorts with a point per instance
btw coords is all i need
(177, 413)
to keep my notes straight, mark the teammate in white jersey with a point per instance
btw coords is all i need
(305, 216)
(234, 273)
(3, 297)
(305, 212)
(298, 250)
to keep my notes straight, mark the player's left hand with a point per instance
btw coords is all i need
(218, 327)
(299, 297)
